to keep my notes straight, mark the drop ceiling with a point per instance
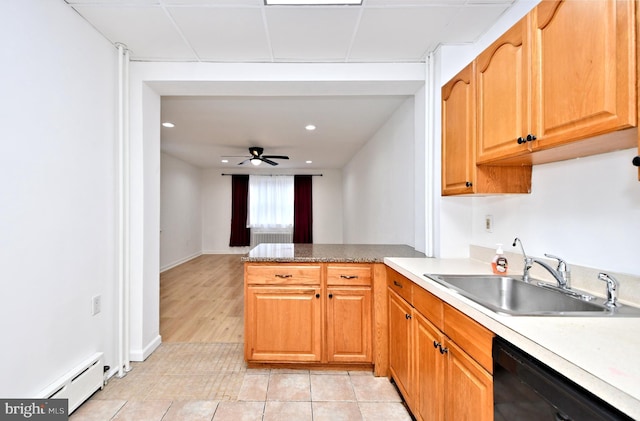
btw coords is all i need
(247, 31)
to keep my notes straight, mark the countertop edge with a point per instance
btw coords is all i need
(506, 326)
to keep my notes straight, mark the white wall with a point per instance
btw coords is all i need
(58, 194)
(216, 205)
(378, 193)
(584, 210)
(180, 212)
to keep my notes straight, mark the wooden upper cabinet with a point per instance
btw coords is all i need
(459, 133)
(584, 72)
(503, 74)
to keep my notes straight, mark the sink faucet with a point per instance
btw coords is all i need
(612, 289)
(528, 262)
(562, 274)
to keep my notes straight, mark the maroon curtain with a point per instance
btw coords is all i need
(302, 209)
(239, 204)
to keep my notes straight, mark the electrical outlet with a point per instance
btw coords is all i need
(488, 223)
(96, 305)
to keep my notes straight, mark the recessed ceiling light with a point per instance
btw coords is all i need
(309, 162)
(310, 127)
(225, 160)
(312, 2)
(168, 124)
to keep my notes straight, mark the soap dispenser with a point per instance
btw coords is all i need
(499, 263)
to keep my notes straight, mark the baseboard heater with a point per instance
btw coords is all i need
(78, 384)
(259, 237)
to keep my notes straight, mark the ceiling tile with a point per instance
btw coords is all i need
(304, 33)
(399, 33)
(224, 34)
(146, 30)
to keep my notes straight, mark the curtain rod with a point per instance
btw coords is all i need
(277, 175)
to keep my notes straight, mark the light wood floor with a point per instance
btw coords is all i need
(202, 300)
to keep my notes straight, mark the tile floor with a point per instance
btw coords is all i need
(210, 381)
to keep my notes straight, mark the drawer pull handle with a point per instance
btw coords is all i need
(349, 276)
(278, 275)
(398, 284)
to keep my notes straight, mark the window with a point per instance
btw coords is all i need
(271, 202)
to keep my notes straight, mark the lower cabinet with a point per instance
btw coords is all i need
(315, 313)
(438, 378)
(283, 324)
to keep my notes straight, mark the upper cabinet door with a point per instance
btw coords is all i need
(459, 133)
(503, 74)
(584, 69)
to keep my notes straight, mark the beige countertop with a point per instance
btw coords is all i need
(602, 354)
(328, 253)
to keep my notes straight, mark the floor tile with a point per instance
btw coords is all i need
(97, 410)
(143, 411)
(191, 410)
(289, 387)
(374, 389)
(239, 411)
(336, 411)
(331, 388)
(384, 411)
(254, 388)
(280, 411)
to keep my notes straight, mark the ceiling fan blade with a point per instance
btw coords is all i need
(245, 161)
(268, 161)
(275, 156)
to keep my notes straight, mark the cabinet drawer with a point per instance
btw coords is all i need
(400, 284)
(428, 305)
(282, 274)
(349, 275)
(474, 338)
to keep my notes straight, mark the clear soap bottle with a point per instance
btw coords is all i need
(499, 263)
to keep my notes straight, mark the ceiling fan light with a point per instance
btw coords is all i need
(255, 161)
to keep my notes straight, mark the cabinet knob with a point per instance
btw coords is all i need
(317, 295)
(407, 316)
(468, 184)
(531, 138)
(330, 295)
(443, 350)
(636, 161)
(436, 344)
(521, 140)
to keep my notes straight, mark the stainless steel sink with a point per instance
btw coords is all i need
(511, 296)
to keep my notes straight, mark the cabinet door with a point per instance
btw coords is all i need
(349, 324)
(459, 133)
(400, 345)
(584, 61)
(429, 370)
(503, 74)
(468, 388)
(283, 324)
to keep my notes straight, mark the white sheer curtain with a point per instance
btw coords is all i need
(270, 202)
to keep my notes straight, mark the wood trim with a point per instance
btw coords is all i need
(380, 321)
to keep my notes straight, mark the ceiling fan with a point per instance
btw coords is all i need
(256, 157)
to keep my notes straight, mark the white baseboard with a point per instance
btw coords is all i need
(143, 354)
(179, 262)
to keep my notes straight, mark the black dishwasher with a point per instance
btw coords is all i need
(526, 389)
